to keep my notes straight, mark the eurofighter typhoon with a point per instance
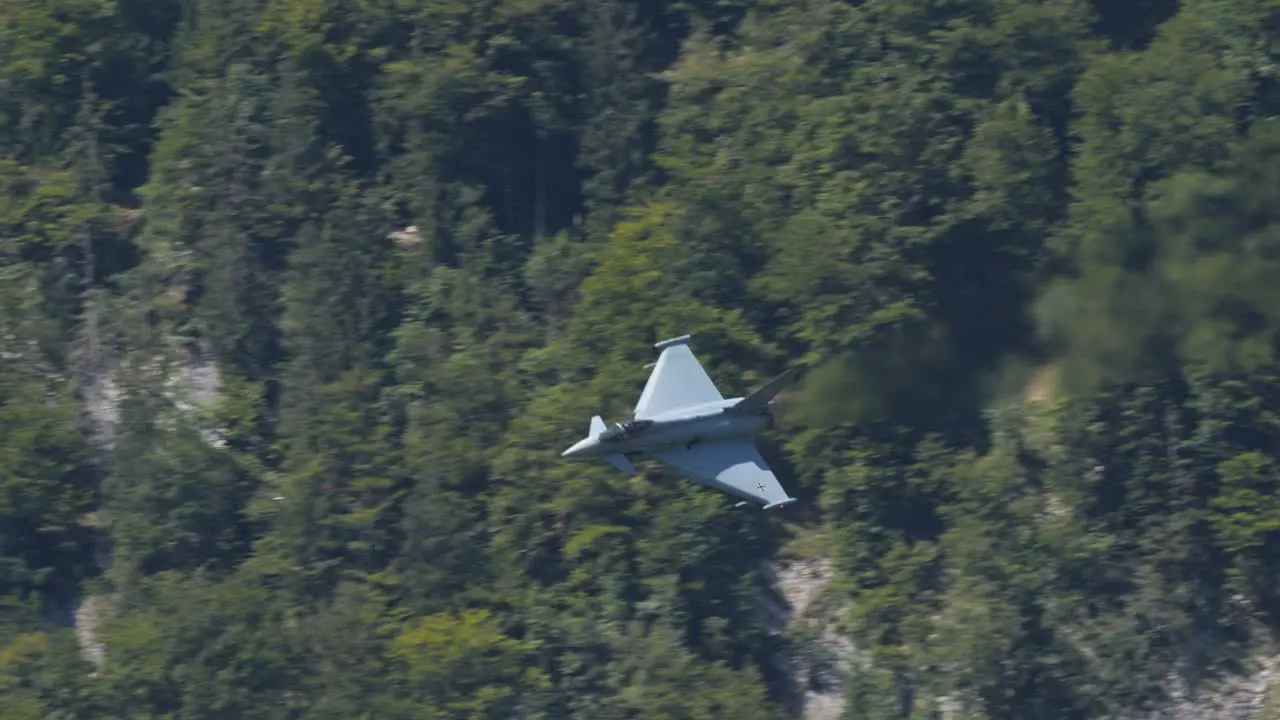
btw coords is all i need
(684, 422)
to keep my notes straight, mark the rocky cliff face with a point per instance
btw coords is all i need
(797, 607)
(1252, 695)
(193, 385)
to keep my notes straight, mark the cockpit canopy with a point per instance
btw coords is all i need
(623, 431)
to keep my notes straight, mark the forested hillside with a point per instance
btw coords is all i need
(302, 299)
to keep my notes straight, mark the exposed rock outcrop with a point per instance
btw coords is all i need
(798, 607)
(192, 385)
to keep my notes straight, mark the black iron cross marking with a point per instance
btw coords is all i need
(760, 487)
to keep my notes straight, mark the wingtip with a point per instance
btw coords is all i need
(780, 503)
(669, 342)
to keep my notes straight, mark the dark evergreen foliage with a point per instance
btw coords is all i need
(300, 301)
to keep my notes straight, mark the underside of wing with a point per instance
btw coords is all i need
(733, 466)
(677, 381)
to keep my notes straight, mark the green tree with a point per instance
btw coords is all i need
(174, 499)
(46, 488)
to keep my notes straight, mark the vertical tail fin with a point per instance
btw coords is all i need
(597, 427)
(759, 400)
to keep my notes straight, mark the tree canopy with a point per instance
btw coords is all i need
(301, 300)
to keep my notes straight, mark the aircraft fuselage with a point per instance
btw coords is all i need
(684, 428)
(683, 421)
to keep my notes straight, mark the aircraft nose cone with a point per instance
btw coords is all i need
(577, 448)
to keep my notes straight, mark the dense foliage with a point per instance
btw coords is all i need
(1027, 250)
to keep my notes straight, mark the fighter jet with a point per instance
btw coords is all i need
(684, 422)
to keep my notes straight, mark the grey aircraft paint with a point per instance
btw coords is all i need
(684, 422)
